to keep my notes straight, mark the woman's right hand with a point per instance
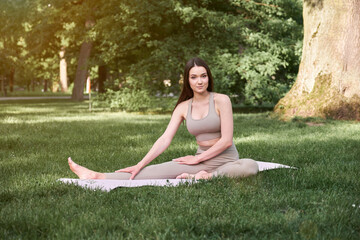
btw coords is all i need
(134, 170)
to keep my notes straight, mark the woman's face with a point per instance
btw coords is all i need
(198, 79)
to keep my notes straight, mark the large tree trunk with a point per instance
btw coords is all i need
(102, 72)
(63, 71)
(328, 82)
(81, 71)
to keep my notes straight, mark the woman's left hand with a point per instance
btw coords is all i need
(190, 160)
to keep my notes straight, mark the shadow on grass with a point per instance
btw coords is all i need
(271, 204)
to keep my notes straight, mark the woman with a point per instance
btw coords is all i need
(209, 118)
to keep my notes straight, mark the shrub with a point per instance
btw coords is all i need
(133, 100)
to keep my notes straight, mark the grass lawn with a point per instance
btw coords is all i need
(34, 94)
(320, 200)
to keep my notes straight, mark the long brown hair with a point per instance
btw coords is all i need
(187, 92)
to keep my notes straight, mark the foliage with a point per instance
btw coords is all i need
(319, 200)
(271, 48)
(126, 99)
(12, 14)
(252, 47)
(133, 100)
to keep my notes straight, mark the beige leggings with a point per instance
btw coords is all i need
(225, 164)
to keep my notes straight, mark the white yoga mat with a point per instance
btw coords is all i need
(270, 165)
(110, 184)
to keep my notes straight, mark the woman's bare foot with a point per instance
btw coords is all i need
(200, 175)
(203, 175)
(185, 176)
(84, 173)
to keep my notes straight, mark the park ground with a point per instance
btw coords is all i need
(319, 200)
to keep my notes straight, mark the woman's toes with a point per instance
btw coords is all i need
(185, 176)
(203, 175)
(181, 176)
(70, 161)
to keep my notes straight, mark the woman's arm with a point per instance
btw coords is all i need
(223, 103)
(162, 143)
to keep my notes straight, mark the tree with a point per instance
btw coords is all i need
(269, 50)
(81, 71)
(102, 75)
(328, 82)
(12, 14)
(84, 11)
(252, 46)
(63, 71)
(40, 43)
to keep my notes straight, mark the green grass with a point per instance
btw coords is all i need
(313, 202)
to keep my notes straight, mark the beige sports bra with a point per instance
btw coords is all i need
(207, 128)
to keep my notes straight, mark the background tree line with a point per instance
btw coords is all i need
(140, 46)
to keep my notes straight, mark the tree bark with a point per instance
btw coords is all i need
(63, 71)
(328, 82)
(45, 85)
(81, 71)
(33, 85)
(11, 80)
(3, 86)
(102, 72)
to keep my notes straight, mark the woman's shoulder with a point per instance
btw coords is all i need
(221, 98)
(184, 104)
(182, 107)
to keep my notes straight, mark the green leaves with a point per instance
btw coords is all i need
(253, 47)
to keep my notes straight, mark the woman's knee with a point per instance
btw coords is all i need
(251, 166)
(240, 168)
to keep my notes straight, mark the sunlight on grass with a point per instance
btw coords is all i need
(11, 120)
(347, 131)
(313, 201)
